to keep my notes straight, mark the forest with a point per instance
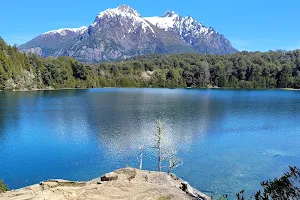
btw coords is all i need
(245, 70)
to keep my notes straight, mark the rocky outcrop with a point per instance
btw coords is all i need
(126, 184)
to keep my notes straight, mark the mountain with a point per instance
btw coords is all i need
(52, 43)
(202, 39)
(122, 33)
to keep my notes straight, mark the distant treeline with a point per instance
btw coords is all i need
(242, 70)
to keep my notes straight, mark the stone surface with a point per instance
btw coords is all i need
(126, 184)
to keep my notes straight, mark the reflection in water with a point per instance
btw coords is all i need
(127, 121)
(9, 111)
(229, 140)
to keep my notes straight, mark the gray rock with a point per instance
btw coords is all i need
(126, 184)
(112, 176)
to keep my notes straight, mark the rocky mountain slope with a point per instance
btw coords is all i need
(201, 38)
(52, 43)
(121, 33)
(125, 184)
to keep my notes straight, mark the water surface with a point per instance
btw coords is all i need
(229, 140)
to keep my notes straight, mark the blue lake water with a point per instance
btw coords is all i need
(229, 140)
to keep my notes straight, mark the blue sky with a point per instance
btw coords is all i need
(256, 25)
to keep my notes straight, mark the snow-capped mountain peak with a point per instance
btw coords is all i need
(65, 31)
(165, 22)
(170, 14)
(182, 25)
(122, 10)
(127, 9)
(123, 13)
(121, 33)
(189, 24)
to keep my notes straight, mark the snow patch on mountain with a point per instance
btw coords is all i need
(65, 31)
(121, 10)
(162, 22)
(125, 12)
(170, 14)
(171, 20)
(165, 22)
(122, 33)
(192, 25)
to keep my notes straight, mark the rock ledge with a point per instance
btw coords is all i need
(125, 184)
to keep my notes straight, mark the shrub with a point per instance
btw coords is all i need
(3, 187)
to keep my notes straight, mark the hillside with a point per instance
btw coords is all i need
(274, 69)
(125, 184)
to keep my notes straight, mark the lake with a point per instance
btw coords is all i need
(229, 140)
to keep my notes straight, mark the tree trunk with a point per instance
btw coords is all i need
(141, 160)
(159, 160)
(159, 148)
(159, 136)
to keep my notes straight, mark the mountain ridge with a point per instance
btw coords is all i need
(119, 33)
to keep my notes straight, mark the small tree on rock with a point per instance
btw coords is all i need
(173, 161)
(158, 145)
(140, 158)
(164, 152)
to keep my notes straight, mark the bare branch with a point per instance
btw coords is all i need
(140, 158)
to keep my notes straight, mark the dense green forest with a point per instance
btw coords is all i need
(272, 69)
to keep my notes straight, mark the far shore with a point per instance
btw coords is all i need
(213, 88)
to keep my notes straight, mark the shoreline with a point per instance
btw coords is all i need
(190, 88)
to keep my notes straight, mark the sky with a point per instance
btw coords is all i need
(251, 25)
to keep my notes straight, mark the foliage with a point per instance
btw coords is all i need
(3, 187)
(223, 197)
(286, 187)
(274, 69)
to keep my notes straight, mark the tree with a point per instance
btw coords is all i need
(286, 187)
(240, 195)
(165, 153)
(277, 69)
(284, 77)
(140, 158)
(158, 145)
(173, 161)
